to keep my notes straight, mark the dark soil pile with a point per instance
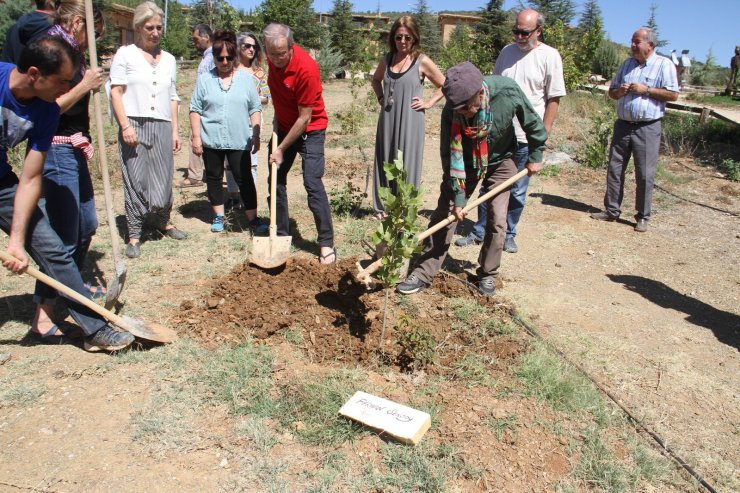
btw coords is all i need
(334, 318)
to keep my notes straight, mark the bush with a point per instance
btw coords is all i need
(594, 153)
(684, 135)
(732, 168)
(606, 60)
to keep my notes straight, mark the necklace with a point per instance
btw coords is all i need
(222, 81)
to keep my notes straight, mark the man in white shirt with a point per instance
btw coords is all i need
(203, 42)
(538, 70)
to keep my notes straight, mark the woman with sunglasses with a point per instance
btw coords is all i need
(398, 83)
(251, 60)
(144, 99)
(67, 186)
(222, 130)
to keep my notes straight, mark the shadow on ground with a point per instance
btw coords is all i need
(725, 325)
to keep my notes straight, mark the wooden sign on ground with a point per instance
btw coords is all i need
(403, 423)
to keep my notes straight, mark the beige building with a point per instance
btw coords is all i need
(449, 21)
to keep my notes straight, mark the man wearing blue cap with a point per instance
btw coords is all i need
(477, 142)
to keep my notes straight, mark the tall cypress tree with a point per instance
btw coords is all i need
(492, 33)
(563, 10)
(342, 32)
(591, 13)
(652, 23)
(431, 42)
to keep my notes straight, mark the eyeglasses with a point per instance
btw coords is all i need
(246, 46)
(406, 37)
(522, 32)
(227, 58)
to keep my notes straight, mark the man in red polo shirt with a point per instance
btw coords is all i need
(301, 118)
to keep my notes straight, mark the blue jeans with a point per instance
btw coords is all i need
(69, 205)
(311, 148)
(516, 199)
(48, 251)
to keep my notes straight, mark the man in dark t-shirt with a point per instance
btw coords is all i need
(28, 28)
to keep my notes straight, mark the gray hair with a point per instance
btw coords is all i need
(540, 19)
(144, 12)
(650, 35)
(274, 32)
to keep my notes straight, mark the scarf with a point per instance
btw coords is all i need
(476, 129)
(57, 30)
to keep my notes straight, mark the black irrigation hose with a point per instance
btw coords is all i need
(695, 202)
(531, 330)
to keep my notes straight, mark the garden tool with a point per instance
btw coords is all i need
(274, 250)
(363, 275)
(148, 331)
(115, 286)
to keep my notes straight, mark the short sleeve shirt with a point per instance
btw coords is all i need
(35, 121)
(657, 71)
(539, 73)
(298, 84)
(217, 106)
(150, 89)
(206, 63)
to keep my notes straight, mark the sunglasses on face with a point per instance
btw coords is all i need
(246, 46)
(522, 32)
(400, 37)
(227, 58)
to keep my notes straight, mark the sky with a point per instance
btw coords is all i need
(687, 24)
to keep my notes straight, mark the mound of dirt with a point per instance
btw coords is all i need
(336, 319)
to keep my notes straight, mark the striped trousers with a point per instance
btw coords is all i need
(147, 171)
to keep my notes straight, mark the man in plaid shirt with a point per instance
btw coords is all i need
(641, 87)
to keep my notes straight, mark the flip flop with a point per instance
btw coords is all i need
(326, 256)
(96, 292)
(51, 337)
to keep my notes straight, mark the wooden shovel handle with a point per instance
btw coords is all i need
(100, 134)
(69, 292)
(273, 191)
(364, 274)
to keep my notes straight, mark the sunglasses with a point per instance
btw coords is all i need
(522, 32)
(406, 37)
(227, 58)
(246, 46)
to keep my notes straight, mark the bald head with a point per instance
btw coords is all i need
(643, 44)
(528, 29)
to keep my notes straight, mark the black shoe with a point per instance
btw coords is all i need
(175, 234)
(603, 216)
(133, 250)
(487, 286)
(411, 285)
(471, 239)
(510, 245)
(108, 339)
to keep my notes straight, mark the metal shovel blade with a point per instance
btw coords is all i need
(270, 252)
(146, 330)
(114, 289)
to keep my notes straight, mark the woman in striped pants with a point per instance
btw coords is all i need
(145, 104)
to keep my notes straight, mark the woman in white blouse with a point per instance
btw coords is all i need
(145, 103)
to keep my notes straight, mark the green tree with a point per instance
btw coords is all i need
(297, 14)
(606, 60)
(328, 58)
(428, 30)
(458, 49)
(562, 10)
(344, 37)
(587, 46)
(492, 33)
(555, 35)
(590, 15)
(219, 14)
(652, 23)
(177, 39)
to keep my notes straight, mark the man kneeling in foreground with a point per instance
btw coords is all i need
(477, 143)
